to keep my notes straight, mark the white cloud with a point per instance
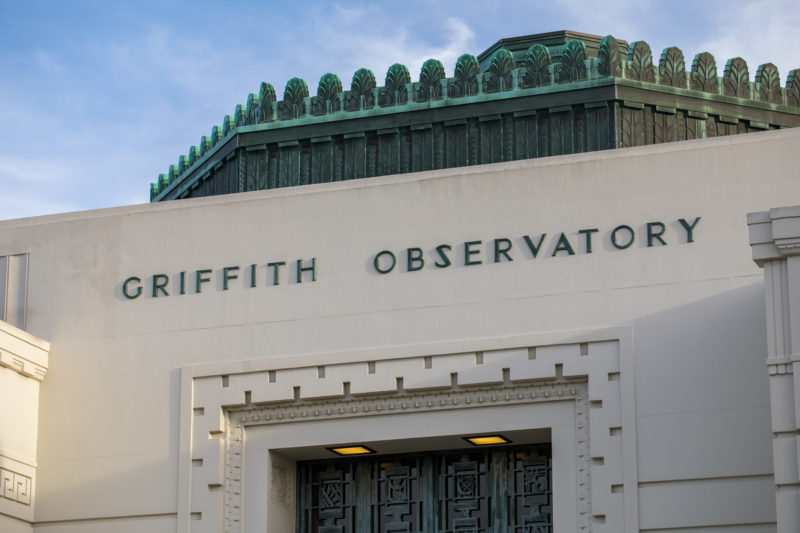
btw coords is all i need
(348, 14)
(38, 185)
(351, 42)
(764, 31)
(759, 31)
(37, 169)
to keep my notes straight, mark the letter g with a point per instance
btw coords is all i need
(127, 294)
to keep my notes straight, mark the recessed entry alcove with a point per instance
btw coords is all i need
(254, 436)
(495, 488)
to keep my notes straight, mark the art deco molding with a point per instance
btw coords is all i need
(23, 366)
(220, 405)
(22, 352)
(238, 419)
(15, 487)
(453, 398)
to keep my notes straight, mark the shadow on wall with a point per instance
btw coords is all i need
(703, 413)
(124, 493)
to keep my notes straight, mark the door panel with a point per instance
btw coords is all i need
(497, 490)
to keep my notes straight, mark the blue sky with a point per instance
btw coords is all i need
(97, 98)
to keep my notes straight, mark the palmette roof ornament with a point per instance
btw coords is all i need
(736, 80)
(672, 68)
(362, 90)
(465, 77)
(430, 81)
(640, 62)
(537, 67)
(522, 67)
(573, 62)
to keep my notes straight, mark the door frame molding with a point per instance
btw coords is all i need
(221, 403)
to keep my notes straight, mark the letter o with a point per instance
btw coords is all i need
(377, 262)
(614, 237)
(125, 288)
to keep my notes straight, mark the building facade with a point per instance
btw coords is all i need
(599, 315)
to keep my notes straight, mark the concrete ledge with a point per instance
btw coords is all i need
(23, 352)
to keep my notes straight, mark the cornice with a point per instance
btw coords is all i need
(774, 234)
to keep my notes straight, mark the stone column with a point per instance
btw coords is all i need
(775, 242)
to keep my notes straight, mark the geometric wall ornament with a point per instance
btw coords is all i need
(15, 487)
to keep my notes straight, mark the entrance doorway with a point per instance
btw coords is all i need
(503, 489)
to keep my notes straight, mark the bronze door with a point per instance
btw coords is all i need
(499, 490)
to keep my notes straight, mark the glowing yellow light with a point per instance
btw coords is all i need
(486, 440)
(351, 450)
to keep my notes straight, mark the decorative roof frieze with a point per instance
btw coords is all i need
(512, 68)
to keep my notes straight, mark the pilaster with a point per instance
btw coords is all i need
(775, 241)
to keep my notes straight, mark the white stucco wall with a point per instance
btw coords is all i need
(110, 415)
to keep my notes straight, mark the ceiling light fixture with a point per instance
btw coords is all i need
(486, 440)
(357, 449)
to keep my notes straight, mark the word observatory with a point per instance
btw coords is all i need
(414, 259)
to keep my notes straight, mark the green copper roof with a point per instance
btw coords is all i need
(539, 64)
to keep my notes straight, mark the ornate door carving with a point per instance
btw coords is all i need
(505, 490)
